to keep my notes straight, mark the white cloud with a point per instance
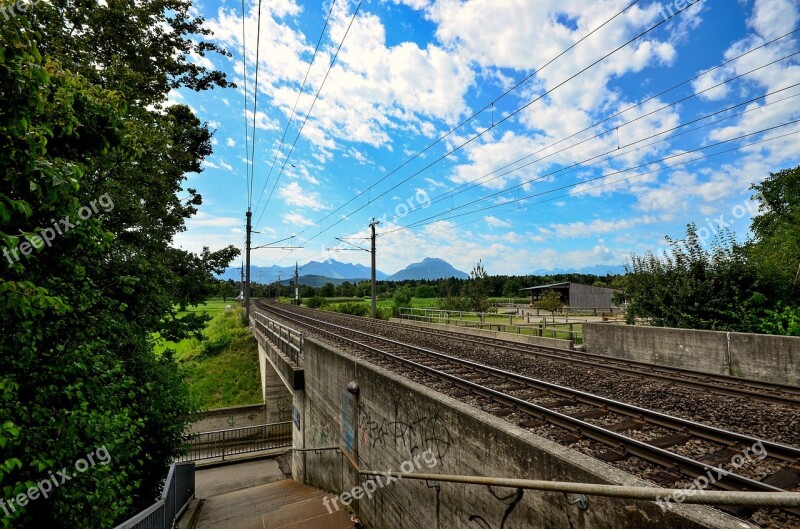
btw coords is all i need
(298, 220)
(494, 222)
(294, 195)
(230, 142)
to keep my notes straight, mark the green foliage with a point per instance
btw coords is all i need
(784, 320)
(317, 302)
(776, 232)
(454, 303)
(511, 288)
(424, 291)
(716, 289)
(401, 298)
(550, 301)
(476, 291)
(231, 377)
(215, 346)
(77, 314)
(354, 309)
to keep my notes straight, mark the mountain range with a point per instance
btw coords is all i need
(336, 272)
(317, 273)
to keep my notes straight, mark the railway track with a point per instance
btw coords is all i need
(619, 430)
(754, 390)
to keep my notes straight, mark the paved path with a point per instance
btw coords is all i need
(257, 495)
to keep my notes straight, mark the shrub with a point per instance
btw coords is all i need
(354, 309)
(316, 302)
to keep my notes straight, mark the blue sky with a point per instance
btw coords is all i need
(574, 167)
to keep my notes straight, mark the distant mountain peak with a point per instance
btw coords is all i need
(428, 268)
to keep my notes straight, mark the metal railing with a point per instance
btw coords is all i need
(514, 324)
(178, 492)
(222, 443)
(287, 340)
(777, 499)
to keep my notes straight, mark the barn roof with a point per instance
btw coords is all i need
(554, 285)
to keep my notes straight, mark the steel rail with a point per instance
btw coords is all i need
(616, 440)
(707, 382)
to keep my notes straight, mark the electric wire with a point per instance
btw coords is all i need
(471, 117)
(308, 114)
(683, 153)
(509, 116)
(297, 101)
(472, 183)
(605, 184)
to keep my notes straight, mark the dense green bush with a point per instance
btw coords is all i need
(317, 302)
(354, 309)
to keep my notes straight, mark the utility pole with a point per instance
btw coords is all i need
(278, 296)
(296, 285)
(247, 272)
(374, 288)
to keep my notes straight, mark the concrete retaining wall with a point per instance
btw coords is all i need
(392, 420)
(756, 356)
(521, 338)
(226, 418)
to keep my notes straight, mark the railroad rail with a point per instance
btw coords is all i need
(541, 401)
(781, 394)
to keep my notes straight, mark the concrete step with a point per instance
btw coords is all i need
(283, 504)
(257, 495)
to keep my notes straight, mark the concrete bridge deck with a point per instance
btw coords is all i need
(258, 495)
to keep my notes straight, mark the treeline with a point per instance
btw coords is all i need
(498, 286)
(92, 165)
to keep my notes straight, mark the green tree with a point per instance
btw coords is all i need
(77, 312)
(511, 288)
(424, 292)
(475, 291)
(691, 287)
(550, 301)
(401, 298)
(347, 289)
(327, 291)
(776, 231)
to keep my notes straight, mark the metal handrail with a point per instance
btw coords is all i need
(276, 331)
(696, 496)
(178, 492)
(234, 441)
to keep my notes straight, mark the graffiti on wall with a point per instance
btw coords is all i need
(409, 429)
(511, 500)
(283, 405)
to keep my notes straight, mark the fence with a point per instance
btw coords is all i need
(501, 323)
(288, 340)
(222, 443)
(178, 492)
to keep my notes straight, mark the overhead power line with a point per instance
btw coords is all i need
(299, 95)
(510, 115)
(650, 162)
(308, 114)
(472, 117)
(481, 180)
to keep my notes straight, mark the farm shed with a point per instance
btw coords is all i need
(577, 295)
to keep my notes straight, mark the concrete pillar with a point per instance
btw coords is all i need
(277, 397)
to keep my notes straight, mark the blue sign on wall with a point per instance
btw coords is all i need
(296, 417)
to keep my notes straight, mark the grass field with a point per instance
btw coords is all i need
(222, 370)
